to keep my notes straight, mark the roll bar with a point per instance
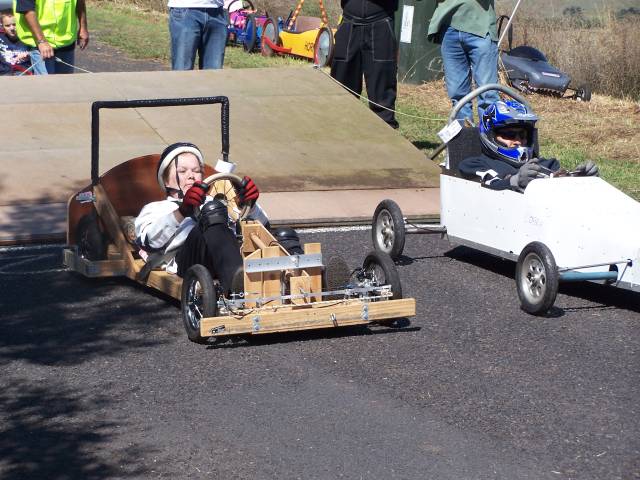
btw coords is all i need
(163, 102)
(490, 86)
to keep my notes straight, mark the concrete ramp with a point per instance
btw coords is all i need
(292, 130)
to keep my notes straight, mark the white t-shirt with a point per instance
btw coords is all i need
(196, 3)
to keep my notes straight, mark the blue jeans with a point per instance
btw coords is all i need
(202, 30)
(50, 66)
(465, 55)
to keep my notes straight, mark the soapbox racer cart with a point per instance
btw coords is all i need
(560, 229)
(282, 292)
(528, 70)
(301, 36)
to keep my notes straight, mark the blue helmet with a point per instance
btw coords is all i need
(508, 113)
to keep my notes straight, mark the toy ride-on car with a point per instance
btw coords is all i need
(528, 70)
(281, 292)
(245, 25)
(560, 229)
(301, 36)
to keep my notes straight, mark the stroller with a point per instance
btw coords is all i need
(528, 70)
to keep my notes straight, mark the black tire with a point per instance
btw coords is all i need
(198, 300)
(249, 42)
(323, 48)
(91, 241)
(387, 229)
(380, 268)
(537, 278)
(583, 94)
(270, 31)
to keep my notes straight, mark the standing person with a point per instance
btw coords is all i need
(365, 43)
(197, 26)
(15, 52)
(467, 31)
(51, 28)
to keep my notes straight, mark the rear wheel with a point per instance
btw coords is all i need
(269, 31)
(387, 229)
(537, 278)
(92, 242)
(198, 300)
(583, 94)
(323, 48)
(249, 42)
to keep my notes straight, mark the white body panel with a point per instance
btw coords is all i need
(583, 221)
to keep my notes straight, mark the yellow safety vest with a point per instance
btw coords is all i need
(58, 20)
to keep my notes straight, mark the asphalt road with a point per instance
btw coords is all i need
(99, 381)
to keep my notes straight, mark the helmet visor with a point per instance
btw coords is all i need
(511, 135)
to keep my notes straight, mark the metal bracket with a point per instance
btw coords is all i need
(333, 319)
(271, 264)
(365, 312)
(256, 323)
(218, 329)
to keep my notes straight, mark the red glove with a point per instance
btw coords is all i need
(193, 199)
(248, 192)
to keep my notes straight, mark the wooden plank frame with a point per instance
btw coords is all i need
(348, 312)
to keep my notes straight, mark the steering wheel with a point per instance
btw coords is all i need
(225, 185)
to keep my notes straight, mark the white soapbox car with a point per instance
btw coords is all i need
(560, 229)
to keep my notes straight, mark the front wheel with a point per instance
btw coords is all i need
(378, 269)
(537, 278)
(198, 300)
(387, 229)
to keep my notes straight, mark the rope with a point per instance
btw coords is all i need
(72, 66)
(427, 119)
(33, 65)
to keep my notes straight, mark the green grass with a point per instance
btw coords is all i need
(622, 174)
(145, 35)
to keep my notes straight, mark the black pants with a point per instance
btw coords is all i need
(368, 49)
(217, 249)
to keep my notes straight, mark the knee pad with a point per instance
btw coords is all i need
(288, 238)
(213, 213)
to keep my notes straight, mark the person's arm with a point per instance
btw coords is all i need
(156, 225)
(45, 49)
(478, 167)
(83, 32)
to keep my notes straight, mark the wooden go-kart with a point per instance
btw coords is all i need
(282, 292)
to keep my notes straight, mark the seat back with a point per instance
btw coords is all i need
(464, 145)
(304, 23)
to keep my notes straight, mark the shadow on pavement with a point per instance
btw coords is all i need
(60, 318)
(42, 437)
